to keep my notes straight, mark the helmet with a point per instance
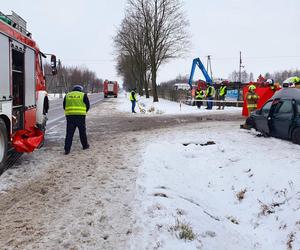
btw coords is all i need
(252, 87)
(78, 88)
(291, 82)
(288, 85)
(270, 81)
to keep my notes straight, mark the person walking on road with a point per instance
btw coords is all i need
(76, 105)
(210, 93)
(199, 97)
(222, 95)
(133, 99)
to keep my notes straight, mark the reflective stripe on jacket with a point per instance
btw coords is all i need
(210, 91)
(75, 104)
(223, 90)
(252, 99)
(199, 94)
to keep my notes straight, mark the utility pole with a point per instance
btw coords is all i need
(240, 68)
(208, 66)
(240, 76)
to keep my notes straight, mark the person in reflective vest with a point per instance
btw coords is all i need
(210, 93)
(199, 95)
(252, 99)
(76, 105)
(133, 99)
(222, 95)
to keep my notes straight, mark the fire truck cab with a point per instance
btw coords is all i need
(23, 98)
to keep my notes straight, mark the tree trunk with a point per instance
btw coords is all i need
(154, 90)
(146, 86)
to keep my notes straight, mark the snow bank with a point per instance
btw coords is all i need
(231, 188)
(167, 107)
(55, 96)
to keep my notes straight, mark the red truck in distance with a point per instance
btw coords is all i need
(110, 88)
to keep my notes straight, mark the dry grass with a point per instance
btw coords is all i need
(233, 220)
(160, 195)
(266, 209)
(289, 243)
(241, 195)
(183, 230)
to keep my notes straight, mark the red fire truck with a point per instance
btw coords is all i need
(110, 88)
(23, 98)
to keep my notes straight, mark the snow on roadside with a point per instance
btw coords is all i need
(242, 192)
(167, 107)
(55, 96)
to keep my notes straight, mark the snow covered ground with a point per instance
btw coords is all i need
(167, 107)
(218, 187)
(194, 185)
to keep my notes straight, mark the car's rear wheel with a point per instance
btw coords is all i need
(3, 145)
(296, 136)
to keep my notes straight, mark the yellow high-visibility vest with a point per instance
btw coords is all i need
(222, 90)
(132, 96)
(75, 104)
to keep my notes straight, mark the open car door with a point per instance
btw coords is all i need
(263, 118)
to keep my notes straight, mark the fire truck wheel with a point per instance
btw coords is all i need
(3, 145)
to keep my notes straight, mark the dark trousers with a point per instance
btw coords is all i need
(209, 102)
(133, 106)
(199, 103)
(221, 102)
(73, 122)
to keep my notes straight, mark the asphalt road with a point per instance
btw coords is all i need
(56, 112)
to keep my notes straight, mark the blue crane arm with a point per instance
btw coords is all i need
(197, 62)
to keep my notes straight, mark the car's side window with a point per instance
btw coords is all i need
(298, 107)
(266, 109)
(284, 107)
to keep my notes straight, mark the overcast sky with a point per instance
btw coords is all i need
(80, 33)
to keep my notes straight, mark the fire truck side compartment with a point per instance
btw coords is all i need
(4, 68)
(18, 85)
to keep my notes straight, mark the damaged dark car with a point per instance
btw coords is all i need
(280, 116)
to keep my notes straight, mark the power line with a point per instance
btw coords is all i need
(257, 58)
(88, 60)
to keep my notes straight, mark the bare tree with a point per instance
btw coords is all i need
(165, 26)
(245, 77)
(153, 32)
(67, 77)
(280, 76)
(130, 44)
